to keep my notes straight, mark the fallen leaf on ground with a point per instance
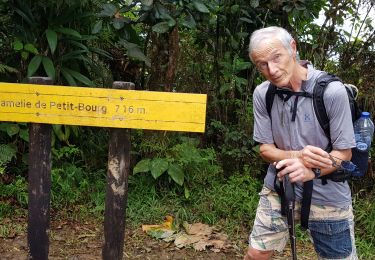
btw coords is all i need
(198, 229)
(162, 231)
(198, 235)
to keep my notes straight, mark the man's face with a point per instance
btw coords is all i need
(274, 61)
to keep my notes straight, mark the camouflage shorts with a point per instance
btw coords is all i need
(270, 230)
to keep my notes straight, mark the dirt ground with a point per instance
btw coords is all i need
(83, 241)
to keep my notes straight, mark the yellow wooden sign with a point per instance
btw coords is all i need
(102, 107)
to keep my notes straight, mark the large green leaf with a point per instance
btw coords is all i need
(24, 134)
(80, 77)
(17, 45)
(34, 65)
(12, 129)
(73, 55)
(118, 23)
(200, 6)
(69, 31)
(108, 10)
(30, 48)
(52, 40)
(49, 67)
(142, 166)
(147, 2)
(189, 21)
(79, 45)
(136, 53)
(68, 77)
(97, 27)
(158, 167)
(161, 27)
(101, 52)
(7, 152)
(176, 173)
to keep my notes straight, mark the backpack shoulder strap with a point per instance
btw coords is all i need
(270, 96)
(318, 101)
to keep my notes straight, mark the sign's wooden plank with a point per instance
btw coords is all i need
(102, 107)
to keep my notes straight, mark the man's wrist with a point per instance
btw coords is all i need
(317, 172)
(295, 154)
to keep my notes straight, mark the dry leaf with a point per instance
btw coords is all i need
(184, 240)
(198, 229)
(162, 231)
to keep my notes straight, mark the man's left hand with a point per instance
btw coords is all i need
(296, 169)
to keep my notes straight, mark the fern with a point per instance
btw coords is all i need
(7, 152)
(4, 69)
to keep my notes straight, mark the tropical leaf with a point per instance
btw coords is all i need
(73, 55)
(13, 129)
(108, 10)
(52, 40)
(97, 27)
(161, 27)
(4, 68)
(189, 21)
(24, 134)
(147, 2)
(158, 166)
(30, 48)
(7, 153)
(69, 31)
(68, 77)
(80, 77)
(200, 6)
(34, 65)
(176, 173)
(101, 52)
(49, 67)
(136, 53)
(17, 45)
(142, 166)
(118, 23)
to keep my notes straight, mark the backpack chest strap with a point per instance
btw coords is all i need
(285, 95)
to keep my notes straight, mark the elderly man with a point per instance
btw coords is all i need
(293, 142)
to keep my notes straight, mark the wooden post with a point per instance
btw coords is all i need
(39, 188)
(117, 188)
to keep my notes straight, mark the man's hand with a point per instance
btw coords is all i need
(315, 157)
(296, 169)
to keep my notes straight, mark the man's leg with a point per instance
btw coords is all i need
(255, 254)
(332, 230)
(270, 230)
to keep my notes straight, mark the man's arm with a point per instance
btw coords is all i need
(298, 171)
(311, 156)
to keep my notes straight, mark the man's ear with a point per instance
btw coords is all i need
(293, 45)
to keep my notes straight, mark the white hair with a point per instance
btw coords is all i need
(278, 33)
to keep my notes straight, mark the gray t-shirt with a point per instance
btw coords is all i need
(305, 130)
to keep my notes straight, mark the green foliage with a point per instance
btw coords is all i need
(51, 39)
(364, 215)
(14, 195)
(178, 162)
(234, 200)
(7, 69)
(7, 153)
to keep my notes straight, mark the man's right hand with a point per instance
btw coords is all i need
(315, 157)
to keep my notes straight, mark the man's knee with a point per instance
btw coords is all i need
(254, 254)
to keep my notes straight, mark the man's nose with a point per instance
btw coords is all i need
(272, 68)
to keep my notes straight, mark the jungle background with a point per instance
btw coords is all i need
(193, 46)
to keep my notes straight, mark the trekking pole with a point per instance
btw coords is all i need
(290, 203)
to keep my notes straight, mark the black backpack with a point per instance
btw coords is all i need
(321, 114)
(358, 157)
